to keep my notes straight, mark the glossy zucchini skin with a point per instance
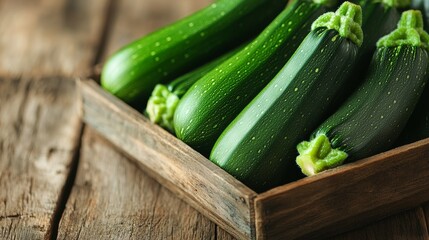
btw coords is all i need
(217, 98)
(373, 117)
(258, 147)
(417, 127)
(132, 72)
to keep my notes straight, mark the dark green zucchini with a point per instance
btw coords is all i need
(162, 103)
(258, 146)
(214, 100)
(373, 117)
(133, 71)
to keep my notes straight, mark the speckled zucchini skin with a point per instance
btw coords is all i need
(216, 99)
(132, 72)
(373, 117)
(417, 127)
(258, 147)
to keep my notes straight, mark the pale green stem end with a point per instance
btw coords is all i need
(318, 155)
(409, 32)
(347, 21)
(397, 3)
(161, 107)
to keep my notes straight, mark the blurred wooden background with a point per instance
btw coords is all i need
(59, 178)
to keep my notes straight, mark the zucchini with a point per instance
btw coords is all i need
(163, 101)
(372, 118)
(258, 146)
(132, 72)
(214, 100)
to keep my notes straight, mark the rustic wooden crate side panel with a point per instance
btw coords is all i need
(346, 197)
(113, 199)
(205, 186)
(50, 37)
(406, 225)
(40, 122)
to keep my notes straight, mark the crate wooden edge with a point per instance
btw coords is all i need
(206, 187)
(370, 189)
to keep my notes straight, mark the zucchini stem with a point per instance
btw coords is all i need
(347, 21)
(161, 107)
(318, 155)
(409, 32)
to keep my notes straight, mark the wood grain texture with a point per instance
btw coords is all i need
(50, 37)
(406, 225)
(346, 197)
(40, 122)
(113, 199)
(223, 235)
(134, 19)
(188, 174)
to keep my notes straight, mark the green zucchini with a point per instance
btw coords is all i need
(258, 146)
(214, 100)
(132, 72)
(372, 118)
(162, 103)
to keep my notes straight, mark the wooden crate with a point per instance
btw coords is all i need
(329, 203)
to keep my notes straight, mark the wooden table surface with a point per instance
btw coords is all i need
(60, 178)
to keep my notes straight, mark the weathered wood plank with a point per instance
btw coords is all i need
(406, 225)
(50, 37)
(348, 196)
(40, 124)
(113, 199)
(426, 211)
(205, 186)
(134, 19)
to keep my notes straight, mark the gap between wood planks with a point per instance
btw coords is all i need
(68, 186)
